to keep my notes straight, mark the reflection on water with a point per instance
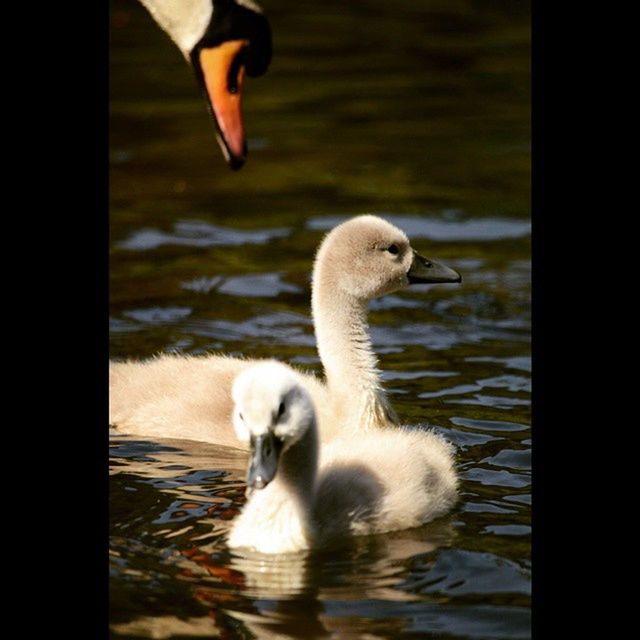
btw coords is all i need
(416, 111)
(174, 550)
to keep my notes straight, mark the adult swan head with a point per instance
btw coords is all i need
(223, 40)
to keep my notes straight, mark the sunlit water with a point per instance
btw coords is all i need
(416, 111)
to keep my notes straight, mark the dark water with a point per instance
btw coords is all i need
(414, 110)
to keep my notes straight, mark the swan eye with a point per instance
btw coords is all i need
(393, 249)
(281, 409)
(240, 416)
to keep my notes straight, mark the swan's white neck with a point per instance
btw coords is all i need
(184, 20)
(350, 365)
(278, 518)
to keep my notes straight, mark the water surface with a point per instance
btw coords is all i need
(416, 111)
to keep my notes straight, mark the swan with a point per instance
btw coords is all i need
(222, 40)
(301, 496)
(189, 397)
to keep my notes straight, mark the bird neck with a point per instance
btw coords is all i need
(279, 518)
(350, 364)
(185, 21)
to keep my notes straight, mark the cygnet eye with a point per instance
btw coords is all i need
(393, 249)
(281, 409)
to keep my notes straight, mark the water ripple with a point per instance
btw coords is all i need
(284, 327)
(255, 285)
(488, 425)
(496, 477)
(158, 315)
(449, 575)
(442, 230)
(194, 233)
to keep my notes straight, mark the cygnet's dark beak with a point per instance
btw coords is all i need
(265, 453)
(426, 271)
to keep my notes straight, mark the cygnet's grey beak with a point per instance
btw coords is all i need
(426, 271)
(265, 453)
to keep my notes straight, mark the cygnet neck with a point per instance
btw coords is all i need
(283, 511)
(298, 465)
(350, 364)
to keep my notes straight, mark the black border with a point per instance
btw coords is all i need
(58, 229)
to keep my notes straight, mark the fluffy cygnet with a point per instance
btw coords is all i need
(303, 496)
(190, 396)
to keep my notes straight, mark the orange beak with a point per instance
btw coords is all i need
(224, 78)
